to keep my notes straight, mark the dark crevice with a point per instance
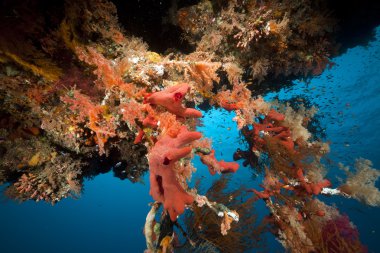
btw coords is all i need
(357, 20)
(151, 21)
(160, 186)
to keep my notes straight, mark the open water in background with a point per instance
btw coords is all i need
(110, 215)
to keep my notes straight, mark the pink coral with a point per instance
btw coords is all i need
(340, 235)
(266, 194)
(164, 186)
(272, 186)
(312, 188)
(171, 99)
(271, 126)
(218, 166)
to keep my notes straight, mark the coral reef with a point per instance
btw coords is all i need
(76, 89)
(267, 37)
(202, 222)
(42, 171)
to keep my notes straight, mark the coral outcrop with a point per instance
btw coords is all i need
(78, 91)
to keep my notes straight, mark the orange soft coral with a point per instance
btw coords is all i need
(94, 116)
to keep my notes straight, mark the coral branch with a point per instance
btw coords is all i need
(215, 166)
(162, 158)
(171, 99)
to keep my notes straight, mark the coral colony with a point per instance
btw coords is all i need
(76, 88)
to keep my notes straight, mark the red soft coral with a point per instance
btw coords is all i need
(164, 186)
(312, 188)
(271, 126)
(218, 166)
(340, 235)
(171, 99)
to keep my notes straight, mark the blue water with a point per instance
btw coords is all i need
(110, 215)
(348, 98)
(108, 218)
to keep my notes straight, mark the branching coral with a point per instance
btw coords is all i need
(269, 37)
(215, 166)
(240, 100)
(339, 234)
(45, 174)
(361, 183)
(97, 117)
(59, 180)
(203, 228)
(293, 177)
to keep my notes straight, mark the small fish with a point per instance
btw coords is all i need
(357, 209)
